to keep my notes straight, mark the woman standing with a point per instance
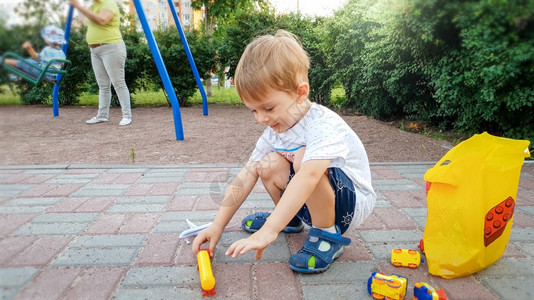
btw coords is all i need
(108, 56)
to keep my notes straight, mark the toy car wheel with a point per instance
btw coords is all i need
(378, 296)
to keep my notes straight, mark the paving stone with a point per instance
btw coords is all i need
(529, 210)
(509, 267)
(11, 222)
(158, 293)
(175, 222)
(41, 252)
(382, 202)
(11, 246)
(52, 229)
(139, 223)
(160, 249)
(50, 283)
(105, 278)
(335, 291)
(276, 281)
(13, 280)
(72, 179)
(109, 241)
(520, 288)
(158, 176)
(527, 248)
(67, 218)
(119, 256)
(393, 219)
(108, 190)
(12, 190)
(377, 236)
(412, 171)
(522, 235)
(132, 170)
(179, 276)
(90, 237)
(395, 185)
(136, 208)
(195, 188)
(107, 224)
(382, 251)
(340, 273)
(234, 281)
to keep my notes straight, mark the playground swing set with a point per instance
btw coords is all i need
(42, 69)
(162, 70)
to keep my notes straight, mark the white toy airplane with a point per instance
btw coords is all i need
(193, 230)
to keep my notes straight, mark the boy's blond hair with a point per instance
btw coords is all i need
(271, 62)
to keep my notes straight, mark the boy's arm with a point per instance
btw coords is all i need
(28, 47)
(235, 195)
(297, 192)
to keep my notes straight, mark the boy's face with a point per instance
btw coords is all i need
(278, 109)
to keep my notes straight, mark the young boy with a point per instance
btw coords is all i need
(54, 38)
(310, 161)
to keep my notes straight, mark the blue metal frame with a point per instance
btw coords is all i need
(162, 70)
(189, 57)
(55, 93)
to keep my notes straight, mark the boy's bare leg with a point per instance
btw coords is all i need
(274, 173)
(322, 201)
(11, 62)
(322, 204)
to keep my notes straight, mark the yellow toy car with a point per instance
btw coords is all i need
(405, 258)
(381, 286)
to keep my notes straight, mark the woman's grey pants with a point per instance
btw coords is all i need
(108, 64)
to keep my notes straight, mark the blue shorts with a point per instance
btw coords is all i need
(29, 67)
(345, 198)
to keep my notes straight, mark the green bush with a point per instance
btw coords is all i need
(485, 83)
(177, 64)
(463, 65)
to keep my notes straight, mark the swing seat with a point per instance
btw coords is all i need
(43, 70)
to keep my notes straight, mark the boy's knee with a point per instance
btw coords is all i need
(272, 164)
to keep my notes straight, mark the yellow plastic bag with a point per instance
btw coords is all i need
(471, 195)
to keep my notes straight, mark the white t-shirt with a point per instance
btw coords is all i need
(326, 136)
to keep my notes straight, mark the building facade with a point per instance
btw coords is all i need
(158, 14)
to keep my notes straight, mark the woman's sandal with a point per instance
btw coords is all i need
(254, 222)
(319, 251)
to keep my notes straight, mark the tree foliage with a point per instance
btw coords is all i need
(466, 65)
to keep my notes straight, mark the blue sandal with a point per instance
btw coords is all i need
(319, 251)
(254, 222)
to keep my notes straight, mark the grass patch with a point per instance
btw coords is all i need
(142, 98)
(7, 97)
(159, 98)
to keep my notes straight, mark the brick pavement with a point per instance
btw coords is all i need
(99, 232)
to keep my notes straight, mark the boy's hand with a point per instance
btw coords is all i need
(27, 45)
(257, 241)
(212, 234)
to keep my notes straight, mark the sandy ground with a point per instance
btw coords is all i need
(30, 135)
